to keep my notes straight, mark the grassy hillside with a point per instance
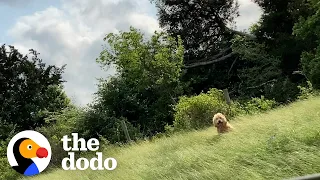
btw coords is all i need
(282, 143)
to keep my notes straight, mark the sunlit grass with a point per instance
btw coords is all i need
(280, 144)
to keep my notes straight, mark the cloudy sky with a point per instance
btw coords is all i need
(71, 32)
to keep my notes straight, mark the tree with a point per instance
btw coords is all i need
(260, 72)
(28, 90)
(256, 68)
(210, 61)
(309, 29)
(203, 27)
(278, 51)
(148, 79)
(275, 30)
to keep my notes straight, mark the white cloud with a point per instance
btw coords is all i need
(73, 35)
(250, 13)
(142, 21)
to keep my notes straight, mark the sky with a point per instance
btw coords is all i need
(71, 32)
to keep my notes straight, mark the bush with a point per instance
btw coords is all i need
(257, 105)
(6, 172)
(64, 123)
(306, 91)
(196, 112)
(282, 91)
(311, 66)
(100, 124)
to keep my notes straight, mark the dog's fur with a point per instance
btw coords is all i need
(221, 123)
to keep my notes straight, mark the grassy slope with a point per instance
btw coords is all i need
(282, 143)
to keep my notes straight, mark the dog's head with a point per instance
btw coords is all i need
(219, 120)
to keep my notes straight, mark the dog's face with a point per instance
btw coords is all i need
(219, 120)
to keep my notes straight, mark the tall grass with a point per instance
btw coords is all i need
(281, 143)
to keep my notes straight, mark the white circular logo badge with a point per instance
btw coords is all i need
(29, 153)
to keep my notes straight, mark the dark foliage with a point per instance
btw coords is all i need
(28, 89)
(202, 25)
(276, 28)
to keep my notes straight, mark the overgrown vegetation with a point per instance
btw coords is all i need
(196, 112)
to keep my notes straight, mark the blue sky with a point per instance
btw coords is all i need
(71, 32)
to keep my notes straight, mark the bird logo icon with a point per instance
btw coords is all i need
(29, 153)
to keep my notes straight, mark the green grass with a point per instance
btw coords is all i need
(282, 143)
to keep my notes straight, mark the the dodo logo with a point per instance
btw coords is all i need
(29, 153)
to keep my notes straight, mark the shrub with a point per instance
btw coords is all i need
(99, 123)
(6, 172)
(282, 91)
(64, 123)
(306, 91)
(196, 112)
(257, 105)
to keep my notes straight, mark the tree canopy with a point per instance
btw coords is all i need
(202, 24)
(29, 90)
(206, 29)
(308, 29)
(147, 83)
(213, 48)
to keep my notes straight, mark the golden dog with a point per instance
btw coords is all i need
(221, 123)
